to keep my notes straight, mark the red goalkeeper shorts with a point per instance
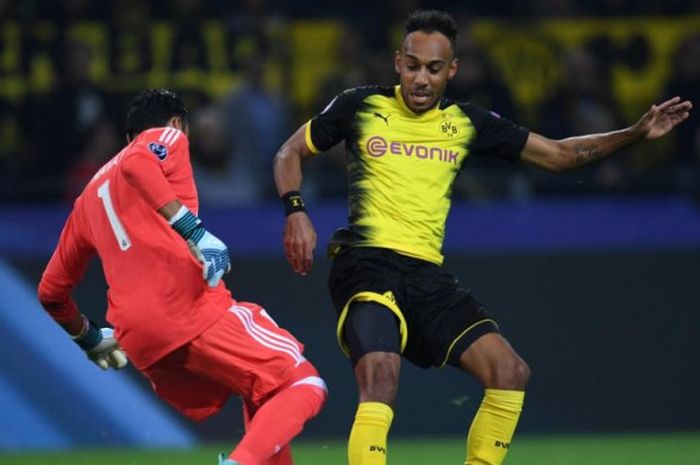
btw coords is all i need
(244, 353)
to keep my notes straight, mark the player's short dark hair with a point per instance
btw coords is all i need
(432, 21)
(153, 108)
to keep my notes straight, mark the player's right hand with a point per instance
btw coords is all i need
(101, 347)
(107, 354)
(213, 254)
(300, 242)
(206, 247)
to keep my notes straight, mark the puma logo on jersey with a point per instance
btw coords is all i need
(385, 118)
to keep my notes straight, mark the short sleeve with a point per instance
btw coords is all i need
(495, 136)
(156, 163)
(145, 174)
(334, 123)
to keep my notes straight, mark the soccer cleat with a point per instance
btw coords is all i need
(223, 460)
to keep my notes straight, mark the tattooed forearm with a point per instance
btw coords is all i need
(587, 152)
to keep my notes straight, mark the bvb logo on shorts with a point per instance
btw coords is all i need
(448, 128)
(390, 295)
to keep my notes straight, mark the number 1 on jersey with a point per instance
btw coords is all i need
(119, 232)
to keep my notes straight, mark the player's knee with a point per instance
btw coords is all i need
(307, 374)
(521, 375)
(378, 377)
(316, 393)
(320, 392)
(512, 374)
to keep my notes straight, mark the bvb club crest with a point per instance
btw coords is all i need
(448, 128)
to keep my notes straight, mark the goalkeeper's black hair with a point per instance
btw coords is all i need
(153, 108)
(432, 21)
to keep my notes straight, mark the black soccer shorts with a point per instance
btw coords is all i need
(438, 319)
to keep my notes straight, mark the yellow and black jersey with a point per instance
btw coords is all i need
(401, 165)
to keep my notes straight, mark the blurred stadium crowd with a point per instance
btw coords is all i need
(252, 71)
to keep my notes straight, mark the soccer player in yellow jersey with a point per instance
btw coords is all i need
(405, 145)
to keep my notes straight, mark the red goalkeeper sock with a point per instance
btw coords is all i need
(284, 456)
(278, 421)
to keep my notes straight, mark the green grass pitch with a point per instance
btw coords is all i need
(610, 449)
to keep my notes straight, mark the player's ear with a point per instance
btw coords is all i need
(452, 71)
(397, 61)
(177, 123)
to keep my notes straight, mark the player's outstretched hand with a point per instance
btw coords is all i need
(102, 348)
(300, 242)
(214, 257)
(662, 118)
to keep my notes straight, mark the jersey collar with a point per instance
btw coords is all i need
(402, 105)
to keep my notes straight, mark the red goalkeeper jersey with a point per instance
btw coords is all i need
(157, 299)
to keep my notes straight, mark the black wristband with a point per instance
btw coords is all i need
(293, 202)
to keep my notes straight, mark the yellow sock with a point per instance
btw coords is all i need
(493, 427)
(367, 444)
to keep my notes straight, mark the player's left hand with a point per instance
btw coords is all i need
(206, 248)
(661, 119)
(213, 254)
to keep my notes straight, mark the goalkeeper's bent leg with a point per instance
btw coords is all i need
(284, 456)
(280, 419)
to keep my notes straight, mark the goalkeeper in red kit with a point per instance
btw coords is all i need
(171, 312)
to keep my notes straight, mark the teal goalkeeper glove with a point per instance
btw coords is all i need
(207, 248)
(101, 347)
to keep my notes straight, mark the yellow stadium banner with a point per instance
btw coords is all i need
(529, 55)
